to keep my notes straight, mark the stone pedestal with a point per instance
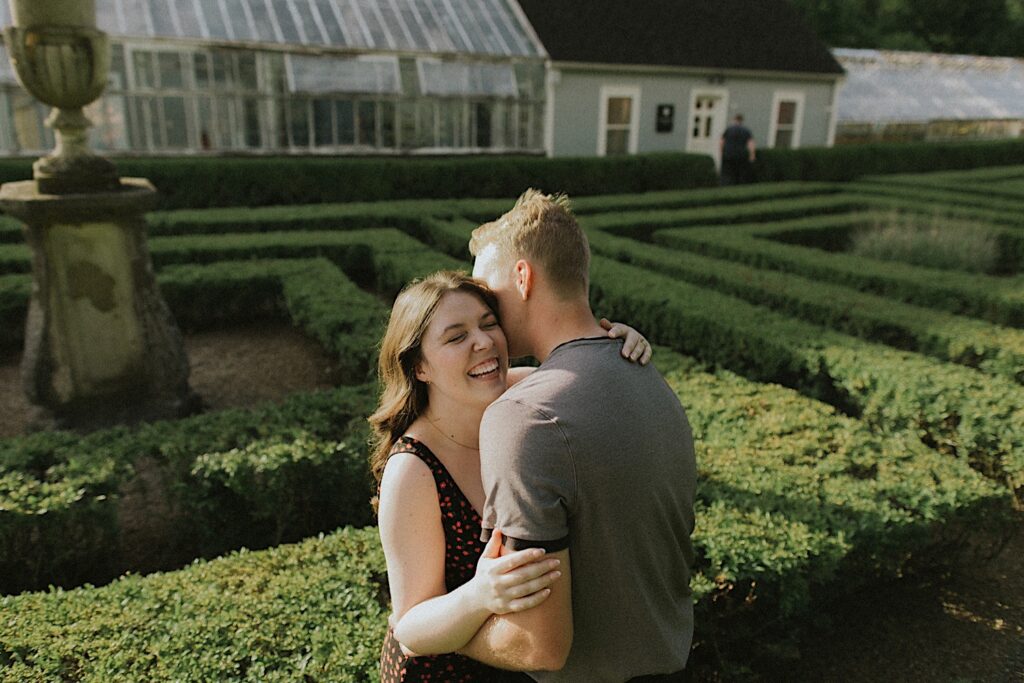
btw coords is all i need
(100, 344)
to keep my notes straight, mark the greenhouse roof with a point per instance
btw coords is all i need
(888, 86)
(476, 27)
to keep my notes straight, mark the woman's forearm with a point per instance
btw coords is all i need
(442, 624)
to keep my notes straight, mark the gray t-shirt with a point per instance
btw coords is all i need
(595, 454)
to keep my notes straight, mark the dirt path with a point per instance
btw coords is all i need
(229, 368)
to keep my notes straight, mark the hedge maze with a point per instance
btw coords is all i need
(855, 417)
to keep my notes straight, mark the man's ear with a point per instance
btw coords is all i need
(524, 279)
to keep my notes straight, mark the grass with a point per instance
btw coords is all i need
(935, 242)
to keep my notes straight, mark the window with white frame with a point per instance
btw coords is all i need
(617, 129)
(787, 119)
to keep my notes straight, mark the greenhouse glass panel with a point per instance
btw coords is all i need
(251, 122)
(136, 18)
(332, 23)
(247, 71)
(201, 69)
(345, 116)
(372, 21)
(353, 24)
(387, 123)
(144, 76)
(163, 24)
(367, 128)
(215, 19)
(107, 18)
(323, 123)
(450, 25)
(309, 17)
(508, 27)
(7, 76)
(400, 36)
(242, 21)
(264, 22)
(169, 66)
(187, 19)
(285, 21)
(175, 127)
(316, 75)
(437, 37)
(481, 41)
(460, 78)
(426, 115)
(298, 116)
(413, 22)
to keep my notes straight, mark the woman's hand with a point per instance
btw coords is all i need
(635, 347)
(514, 582)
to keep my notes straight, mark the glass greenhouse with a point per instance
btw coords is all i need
(304, 76)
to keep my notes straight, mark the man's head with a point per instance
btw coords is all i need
(738, 119)
(535, 251)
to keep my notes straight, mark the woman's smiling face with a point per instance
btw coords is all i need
(464, 352)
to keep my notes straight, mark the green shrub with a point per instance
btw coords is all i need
(794, 502)
(956, 410)
(848, 162)
(63, 496)
(195, 183)
(996, 350)
(997, 300)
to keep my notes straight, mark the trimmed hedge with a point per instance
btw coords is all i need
(849, 162)
(958, 411)
(77, 509)
(995, 350)
(794, 501)
(201, 182)
(999, 300)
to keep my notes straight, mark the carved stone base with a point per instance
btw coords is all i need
(101, 346)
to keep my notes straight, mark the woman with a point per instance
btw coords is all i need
(443, 360)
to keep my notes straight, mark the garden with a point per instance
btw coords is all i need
(850, 354)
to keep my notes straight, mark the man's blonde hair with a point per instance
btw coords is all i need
(541, 228)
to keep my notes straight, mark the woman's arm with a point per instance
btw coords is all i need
(427, 619)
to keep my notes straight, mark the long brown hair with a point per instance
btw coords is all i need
(403, 398)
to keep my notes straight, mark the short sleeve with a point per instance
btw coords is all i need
(528, 477)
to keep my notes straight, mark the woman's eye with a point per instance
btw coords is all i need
(457, 338)
(490, 326)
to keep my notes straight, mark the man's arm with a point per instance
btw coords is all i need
(538, 639)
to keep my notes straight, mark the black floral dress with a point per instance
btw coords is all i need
(463, 548)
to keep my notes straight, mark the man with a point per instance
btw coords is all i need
(738, 152)
(591, 458)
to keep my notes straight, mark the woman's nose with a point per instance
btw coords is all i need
(482, 340)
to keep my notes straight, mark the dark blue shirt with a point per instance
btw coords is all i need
(736, 138)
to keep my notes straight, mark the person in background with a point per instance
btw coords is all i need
(738, 152)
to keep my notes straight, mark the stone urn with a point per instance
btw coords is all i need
(62, 60)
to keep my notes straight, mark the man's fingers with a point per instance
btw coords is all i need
(606, 323)
(646, 357)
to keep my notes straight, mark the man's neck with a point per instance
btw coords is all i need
(561, 324)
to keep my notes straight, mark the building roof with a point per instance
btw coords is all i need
(761, 35)
(476, 27)
(886, 86)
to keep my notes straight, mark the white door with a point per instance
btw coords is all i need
(708, 111)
